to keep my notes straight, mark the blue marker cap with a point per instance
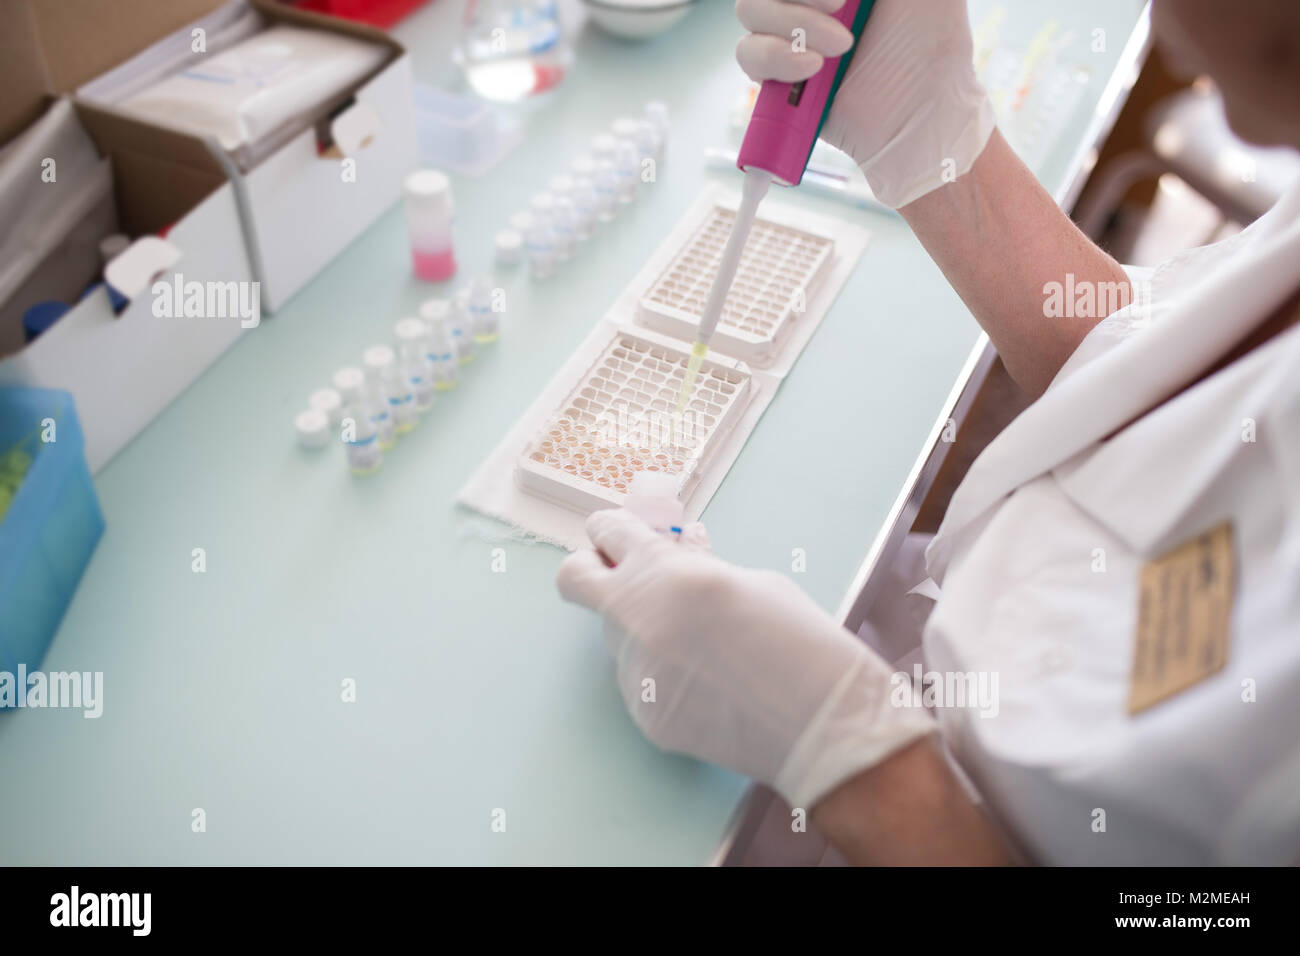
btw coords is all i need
(40, 317)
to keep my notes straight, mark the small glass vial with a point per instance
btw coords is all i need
(560, 185)
(606, 191)
(508, 247)
(413, 359)
(584, 196)
(624, 127)
(584, 209)
(429, 217)
(360, 436)
(627, 169)
(564, 228)
(540, 243)
(604, 146)
(656, 111)
(461, 331)
(485, 322)
(583, 167)
(648, 143)
(380, 363)
(442, 343)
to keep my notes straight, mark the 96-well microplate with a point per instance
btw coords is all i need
(616, 421)
(780, 270)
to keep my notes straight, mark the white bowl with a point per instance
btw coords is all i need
(637, 19)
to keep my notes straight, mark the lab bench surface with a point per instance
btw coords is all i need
(245, 590)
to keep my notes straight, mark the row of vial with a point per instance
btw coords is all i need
(549, 231)
(374, 404)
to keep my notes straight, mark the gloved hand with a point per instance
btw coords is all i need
(910, 111)
(747, 671)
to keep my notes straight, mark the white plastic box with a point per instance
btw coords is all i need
(305, 202)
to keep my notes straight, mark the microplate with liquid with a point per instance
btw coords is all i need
(617, 421)
(780, 271)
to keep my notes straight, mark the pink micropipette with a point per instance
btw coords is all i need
(778, 143)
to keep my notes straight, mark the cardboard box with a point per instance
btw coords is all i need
(304, 203)
(122, 369)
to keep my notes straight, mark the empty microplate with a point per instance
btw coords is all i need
(780, 271)
(617, 421)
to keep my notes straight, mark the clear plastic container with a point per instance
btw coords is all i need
(52, 524)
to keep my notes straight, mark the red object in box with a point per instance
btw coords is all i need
(377, 13)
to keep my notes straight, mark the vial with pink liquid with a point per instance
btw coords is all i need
(429, 218)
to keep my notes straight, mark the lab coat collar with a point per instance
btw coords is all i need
(1200, 308)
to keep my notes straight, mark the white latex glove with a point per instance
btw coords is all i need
(747, 671)
(910, 111)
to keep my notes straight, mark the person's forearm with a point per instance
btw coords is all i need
(909, 810)
(1003, 244)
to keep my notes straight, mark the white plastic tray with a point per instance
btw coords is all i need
(780, 271)
(617, 420)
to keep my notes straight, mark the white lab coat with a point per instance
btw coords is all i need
(1205, 776)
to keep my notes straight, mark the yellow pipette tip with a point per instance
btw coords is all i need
(698, 351)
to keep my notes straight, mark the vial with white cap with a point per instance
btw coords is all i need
(541, 206)
(485, 321)
(656, 111)
(328, 401)
(380, 363)
(540, 243)
(627, 167)
(360, 435)
(560, 185)
(413, 359)
(442, 343)
(648, 143)
(603, 147)
(584, 196)
(429, 219)
(521, 220)
(624, 127)
(653, 498)
(462, 329)
(583, 166)
(313, 428)
(606, 191)
(509, 248)
(564, 227)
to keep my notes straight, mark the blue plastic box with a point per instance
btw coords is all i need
(52, 525)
